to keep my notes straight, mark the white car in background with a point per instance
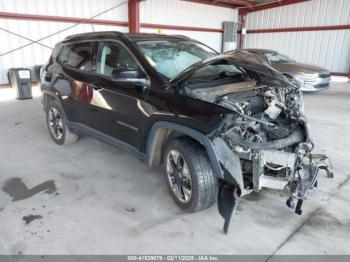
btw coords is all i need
(310, 78)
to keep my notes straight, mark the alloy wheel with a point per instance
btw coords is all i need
(55, 123)
(178, 175)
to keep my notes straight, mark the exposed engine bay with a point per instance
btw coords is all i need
(268, 135)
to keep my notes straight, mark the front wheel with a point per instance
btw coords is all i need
(57, 125)
(189, 175)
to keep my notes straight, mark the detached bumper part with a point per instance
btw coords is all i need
(227, 203)
(317, 162)
(301, 174)
(290, 204)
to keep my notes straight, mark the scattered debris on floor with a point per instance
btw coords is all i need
(253, 196)
(28, 219)
(18, 123)
(19, 191)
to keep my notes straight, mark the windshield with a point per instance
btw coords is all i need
(171, 57)
(277, 58)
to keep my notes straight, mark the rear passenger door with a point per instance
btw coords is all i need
(78, 63)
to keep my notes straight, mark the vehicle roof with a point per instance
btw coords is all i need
(116, 34)
(259, 50)
(144, 36)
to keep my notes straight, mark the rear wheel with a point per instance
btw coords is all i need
(57, 125)
(189, 175)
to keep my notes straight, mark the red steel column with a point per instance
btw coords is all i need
(242, 21)
(134, 16)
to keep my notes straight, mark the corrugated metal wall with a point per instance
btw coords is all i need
(72, 8)
(170, 12)
(329, 49)
(177, 12)
(36, 54)
(213, 40)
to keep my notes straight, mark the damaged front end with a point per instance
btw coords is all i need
(270, 136)
(265, 142)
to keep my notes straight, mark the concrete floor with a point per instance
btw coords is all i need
(107, 202)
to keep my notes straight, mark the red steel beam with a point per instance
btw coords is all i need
(60, 19)
(242, 21)
(236, 3)
(134, 15)
(182, 28)
(299, 29)
(246, 10)
(209, 2)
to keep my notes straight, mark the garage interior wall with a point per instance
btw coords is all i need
(165, 12)
(36, 54)
(326, 48)
(182, 13)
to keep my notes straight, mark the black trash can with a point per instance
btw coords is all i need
(21, 80)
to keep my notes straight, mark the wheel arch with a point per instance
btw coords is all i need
(160, 134)
(48, 97)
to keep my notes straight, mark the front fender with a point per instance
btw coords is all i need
(218, 151)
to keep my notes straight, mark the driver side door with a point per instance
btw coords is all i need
(114, 109)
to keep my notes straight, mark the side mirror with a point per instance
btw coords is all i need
(125, 74)
(132, 77)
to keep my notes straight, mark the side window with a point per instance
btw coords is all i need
(81, 56)
(63, 54)
(111, 56)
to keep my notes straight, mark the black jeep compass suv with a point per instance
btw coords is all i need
(220, 125)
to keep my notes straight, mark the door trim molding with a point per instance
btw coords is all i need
(84, 129)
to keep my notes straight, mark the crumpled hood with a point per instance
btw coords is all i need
(247, 63)
(297, 68)
(248, 56)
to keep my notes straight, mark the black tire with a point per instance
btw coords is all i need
(203, 183)
(67, 136)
